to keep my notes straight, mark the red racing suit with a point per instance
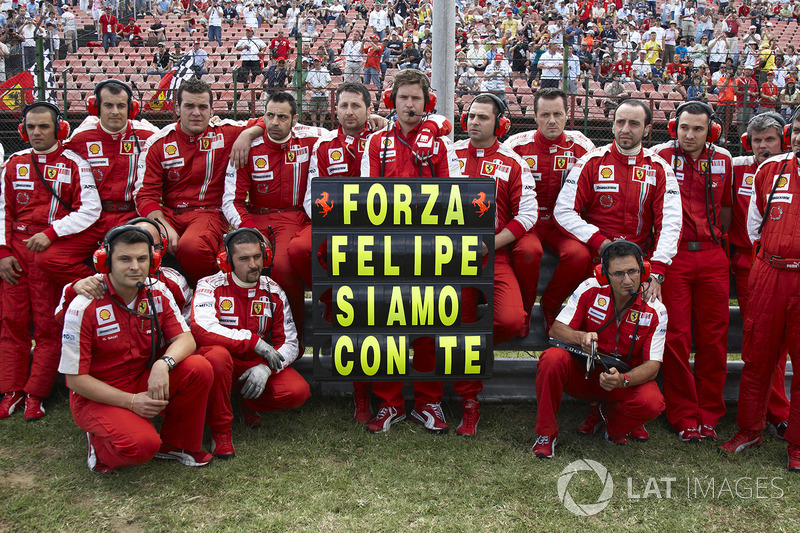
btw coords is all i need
(515, 209)
(183, 175)
(269, 192)
(27, 207)
(744, 170)
(608, 195)
(696, 289)
(558, 371)
(227, 321)
(389, 154)
(113, 158)
(550, 163)
(770, 325)
(102, 339)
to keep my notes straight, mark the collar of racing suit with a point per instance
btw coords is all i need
(483, 152)
(547, 142)
(283, 144)
(114, 134)
(190, 138)
(242, 284)
(53, 149)
(630, 159)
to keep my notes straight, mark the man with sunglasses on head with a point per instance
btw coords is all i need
(607, 314)
(48, 194)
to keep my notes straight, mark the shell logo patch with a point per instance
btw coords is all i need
(226, 304)
(748, 179)
(336, 155)
(104, 315)
(783, 182)
(260, 162)
(95, 149)
(22, 170)
(601, 302)
(170, 149)
(532, 161)
(606, 172)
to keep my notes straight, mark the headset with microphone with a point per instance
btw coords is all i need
(784, 129)
(224, 258)
(502, 125)
(601, 271)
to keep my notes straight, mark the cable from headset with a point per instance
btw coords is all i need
(711, 206)
(771, 196)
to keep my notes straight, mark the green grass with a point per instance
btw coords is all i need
(316, 470)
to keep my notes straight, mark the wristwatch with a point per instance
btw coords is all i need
(658, 277)
(625, 381)
(170, 362)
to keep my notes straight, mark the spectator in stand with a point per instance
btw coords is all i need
(108, 25)
(551, 63)
(467, 82)
(682, 49)
(250, 49)
(696, 90)
(770, 94)
(378, 20)
(198, 60)
(318, 81)
(276, 75)
(496, 77)
(133, 33)
(604, 71)
(163, 7)
(426, 63)
(372, 51)
(615, 92)
(214, 15)
(177, 55)
(157, 32)
(717, 51)
(162, 62)
(641, 70)
(229, 14)
(70, 28)
(653, 48)
(476, 56)
(790, 97)
(279, 46)
(353, 57)
(410, 57)
(624, 68)
(746, 95)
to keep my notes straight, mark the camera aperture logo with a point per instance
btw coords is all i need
(585, 509)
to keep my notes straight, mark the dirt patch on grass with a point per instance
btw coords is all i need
(23, 480)
(120, 524)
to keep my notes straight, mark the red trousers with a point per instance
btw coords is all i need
(695, 293)
(121, 437)
(778, 405)
(558, 372)
(391, 392)
(31, 302)
(285, 226)
(770, 327)
(285, 390)
(526, 256)
(574, 261)
(64, 260)
(201, 234)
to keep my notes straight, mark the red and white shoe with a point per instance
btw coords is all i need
(168, 452)
(619, 440)
(545, 446)
(222, 445)
(793, 463)
(93, 462)
(385, 418)
(690, 435)
(469, 420)
(10, 403)
(363, 412)
(593, 421)
(708, 432)
(639, 434)
(743, 440)
(34, 410)
(431, 417)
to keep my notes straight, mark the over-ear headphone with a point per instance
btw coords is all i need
(93, 102)
(224, 257)
(714, 127)
(390, 94)
(601, 270)
(502, 124)
(785, 129)
(102, 256)
(62, 126)
(155, 224)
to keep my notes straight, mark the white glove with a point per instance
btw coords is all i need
(270, 354)
(256, 381)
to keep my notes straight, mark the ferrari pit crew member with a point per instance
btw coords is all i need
(267, 192)
(515, 214)
(697, 282)
(607, 313)
(765, 138)
(551, 151)
(180, 178)
(624, 191)
(771, 323)
(93, 286)
(409, 148)
(121, 377)
(48, 195)
(110, 140)
(244, 324)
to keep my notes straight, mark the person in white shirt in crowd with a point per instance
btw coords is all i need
(214, 15)
(353, 57)
(550, 65)
(378, 19)
(70, 28)
(496, 77)
(318, 80)
(249, 48)
(250, 14)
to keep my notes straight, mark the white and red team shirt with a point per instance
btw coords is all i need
(112, 156)
(225, 314)
(172, 279)
(591, 306)
(744, 172)
(181, 171)
(335, 154)
(549, 161)
(515, 192)
(27, 205)
(608, 195)
(691, 176)
(389, 154)
(781, 233)
(275, 177)
(110, 344)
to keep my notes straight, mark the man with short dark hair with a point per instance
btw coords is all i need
(108, 27)
(113, 368)
(48, 194)
(606, 315)
(242, 321)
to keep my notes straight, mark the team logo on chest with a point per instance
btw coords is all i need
(171, 149)
(126, 147)
(94, 149)
(260, 163)
(205, 144)
(606, 173)
(560, 162)
(335, 155)
(105, 314)
(226, 305)
(532, 161)
(259, 308)
(23, 171)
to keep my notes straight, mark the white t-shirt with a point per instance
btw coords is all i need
(214, 17)
(254, 46)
